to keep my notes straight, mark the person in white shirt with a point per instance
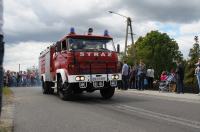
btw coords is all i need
(1, 52)
(125, 70)
(150, 77)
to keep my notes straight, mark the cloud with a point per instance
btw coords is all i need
(29, 23)
(27, 20)
(185, 43)
(35, 20)
(191, 28)
(24, 53)
(164, 11)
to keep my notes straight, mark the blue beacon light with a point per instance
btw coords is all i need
(106, 33)
(72, 31)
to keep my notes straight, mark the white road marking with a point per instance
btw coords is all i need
(169, 118)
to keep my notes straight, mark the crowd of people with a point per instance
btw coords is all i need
(137, 77)
(140, 77)
(21, 79)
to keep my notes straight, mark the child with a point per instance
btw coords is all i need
(163, 76)
(145, 83)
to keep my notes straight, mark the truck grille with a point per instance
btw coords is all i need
(96, 68)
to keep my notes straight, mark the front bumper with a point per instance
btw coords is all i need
(94, 78)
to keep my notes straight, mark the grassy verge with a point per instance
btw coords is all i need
(7, 91)
(7, 95)
(6, 120)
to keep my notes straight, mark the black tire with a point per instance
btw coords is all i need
(65, 91)
(51, 90)
(59, 89)
(44, 88)
(108, 92)
(78, 91)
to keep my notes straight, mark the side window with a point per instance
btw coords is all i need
(64, 45)
(58, 46)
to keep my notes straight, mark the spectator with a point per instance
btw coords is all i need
(19, 79)
(14, 79)
(163, 76)
(172, 87)
(24, 79)
(145, 82)
(132, 80)
(172, 73)
(179, 77)
(150, 77)
(141, 73)
(125, 73)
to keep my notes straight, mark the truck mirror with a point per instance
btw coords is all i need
(118, 48)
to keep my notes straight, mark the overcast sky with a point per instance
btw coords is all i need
(31, 25)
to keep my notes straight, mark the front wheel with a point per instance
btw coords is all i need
(65, 91)
(108, 92)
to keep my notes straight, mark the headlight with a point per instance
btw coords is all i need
(80, 78)
(115, 77)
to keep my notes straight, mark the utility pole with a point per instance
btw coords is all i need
(128, 27)
(19, 68)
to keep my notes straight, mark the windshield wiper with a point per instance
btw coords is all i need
(103, 49)
(89, 50)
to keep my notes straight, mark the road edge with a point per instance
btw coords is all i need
(7, 115)
(192, 98)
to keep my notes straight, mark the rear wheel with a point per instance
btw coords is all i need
(65, 91)
(108, 92)
(46, 88)
(51, 90)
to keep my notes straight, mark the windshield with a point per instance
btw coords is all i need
(91, 45)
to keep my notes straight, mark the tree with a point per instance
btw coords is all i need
(157, 50)
(194, 54)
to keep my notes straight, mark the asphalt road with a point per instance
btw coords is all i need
(125, 112)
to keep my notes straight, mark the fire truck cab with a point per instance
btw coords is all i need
(78, 63)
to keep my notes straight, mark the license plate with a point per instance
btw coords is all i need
(98, 79)
(98, 84)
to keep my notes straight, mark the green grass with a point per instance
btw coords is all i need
(3, 129)
(7, 91)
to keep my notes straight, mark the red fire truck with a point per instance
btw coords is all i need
(78, 63)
